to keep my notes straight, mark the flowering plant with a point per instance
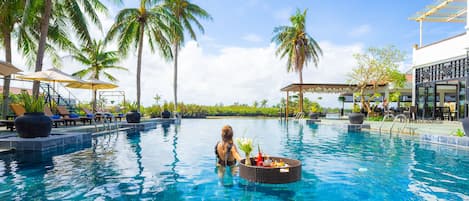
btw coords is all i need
(245, 145)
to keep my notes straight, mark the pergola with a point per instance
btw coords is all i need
(325, 88)
(442, 11)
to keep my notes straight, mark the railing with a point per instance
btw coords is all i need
(52, 95)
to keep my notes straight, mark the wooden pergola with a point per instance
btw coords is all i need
(324, 88)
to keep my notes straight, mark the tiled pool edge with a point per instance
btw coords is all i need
(446, 139)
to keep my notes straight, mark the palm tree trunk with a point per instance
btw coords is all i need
(176, 50)
(139, 63)
(301, 91)
(6, 79)
(94, 100)
(42, 42)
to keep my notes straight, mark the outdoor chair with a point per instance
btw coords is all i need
(55, 118)
(89, 116)
(67, 116)
(100, 114)
(10, 121)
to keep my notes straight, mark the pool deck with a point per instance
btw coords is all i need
(71, 136)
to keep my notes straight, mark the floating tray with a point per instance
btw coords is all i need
(271, 175)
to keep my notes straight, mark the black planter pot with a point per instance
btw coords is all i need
(356, 118)
(132, 117)
(313, 115)
(33, 124)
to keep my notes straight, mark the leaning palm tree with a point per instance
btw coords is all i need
(98, 61)
(75, 14)
(186, 14)
(299, 47)
(133, 24)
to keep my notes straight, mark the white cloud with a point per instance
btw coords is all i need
(252, 38)
(360, 30)
(231, 74)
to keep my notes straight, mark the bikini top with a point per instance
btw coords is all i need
(225, 162)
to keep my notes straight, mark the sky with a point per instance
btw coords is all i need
(234, 59)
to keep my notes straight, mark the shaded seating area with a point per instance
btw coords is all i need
(18, 110)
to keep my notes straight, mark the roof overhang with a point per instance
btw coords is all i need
(325, 88)
(443, 11)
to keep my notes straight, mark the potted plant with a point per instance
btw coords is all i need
(315, 111)
(356, 117)
(132, 116)
(33, 123)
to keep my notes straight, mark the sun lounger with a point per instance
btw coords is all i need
(89, 116)
(10, 121)
(67, 116)
(55, 118)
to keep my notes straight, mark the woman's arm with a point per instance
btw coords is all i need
(235, 153)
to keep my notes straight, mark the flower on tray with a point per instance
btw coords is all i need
(244, 144)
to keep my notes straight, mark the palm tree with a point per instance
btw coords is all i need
(132, 24)
(10, 15)
(65, 13)
(97, 60)
(299, 47)
(186, 14)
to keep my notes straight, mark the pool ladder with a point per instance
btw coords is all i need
(399, 117)
(300, 115)
(107, 125)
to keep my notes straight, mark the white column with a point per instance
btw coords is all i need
(420, 28)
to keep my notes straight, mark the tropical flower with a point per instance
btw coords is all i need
(244, 144)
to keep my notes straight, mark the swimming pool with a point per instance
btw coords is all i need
(177, 163)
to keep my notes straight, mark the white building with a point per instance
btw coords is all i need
(441, 69)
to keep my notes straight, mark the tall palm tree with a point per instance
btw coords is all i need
(65, 13)
(150, 20)
(299, 47)
(186, 14)
(98, 61)
(10, 15)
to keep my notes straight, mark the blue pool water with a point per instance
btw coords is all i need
(177, 163)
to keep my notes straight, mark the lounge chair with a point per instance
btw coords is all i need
(55, 118)
(10, 121)
(106, 115)
(89, 117)
(67, 116)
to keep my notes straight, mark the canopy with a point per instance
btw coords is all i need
(7, 69)
(92, 84)
(443, 11)
(51, 75)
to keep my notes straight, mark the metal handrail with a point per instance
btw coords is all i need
(384, 119)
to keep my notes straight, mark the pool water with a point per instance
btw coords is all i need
(178, 163)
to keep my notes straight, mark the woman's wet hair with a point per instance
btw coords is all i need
(227, 134)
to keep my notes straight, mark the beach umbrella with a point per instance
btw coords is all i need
(92, 84)
(50, 75)
(7, 69)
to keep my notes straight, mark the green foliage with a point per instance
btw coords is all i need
(356, 108)
(341, 98)
(245, 145)
(316, 108)
(153, 111)
(376, 118)
(458, 133)
(131, 106)
(377, 66)
(30, 103)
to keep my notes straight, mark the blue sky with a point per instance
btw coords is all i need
(235, 61)
(373, 23)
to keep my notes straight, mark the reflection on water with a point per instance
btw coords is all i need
(177, 163)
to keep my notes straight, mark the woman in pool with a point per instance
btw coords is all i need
(226, 152)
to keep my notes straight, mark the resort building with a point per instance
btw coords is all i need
(441, 69)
